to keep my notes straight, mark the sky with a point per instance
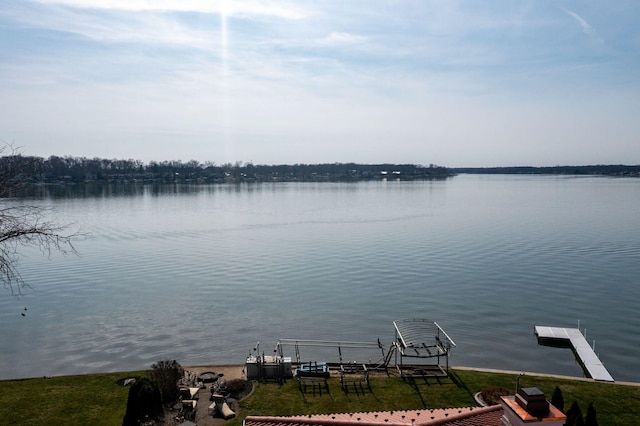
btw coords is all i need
(454, 83)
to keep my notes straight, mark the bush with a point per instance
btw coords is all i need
(574, 415)
(491, 394)
(557, 400)
(238, 388)
(144, 402)
(166, 374)
(590, 418)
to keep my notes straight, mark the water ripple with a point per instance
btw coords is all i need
(487, 259)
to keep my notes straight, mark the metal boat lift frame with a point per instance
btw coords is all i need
(339, 345)
(421, 340)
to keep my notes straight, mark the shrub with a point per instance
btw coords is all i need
(144, 402)
(491, 394)
(590, 418)
(238, 388)
(574, 415)
(166, 374)
(557, 400)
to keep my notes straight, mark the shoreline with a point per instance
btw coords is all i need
(237, 371)
(533, 373)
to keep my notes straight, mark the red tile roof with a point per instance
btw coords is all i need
(468, 416)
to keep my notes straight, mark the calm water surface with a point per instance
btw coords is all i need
(199, 274)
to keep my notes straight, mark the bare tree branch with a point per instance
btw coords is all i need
(24, 225)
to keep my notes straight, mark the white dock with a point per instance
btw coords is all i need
(581, 348)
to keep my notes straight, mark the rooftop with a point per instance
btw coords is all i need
(466, 416)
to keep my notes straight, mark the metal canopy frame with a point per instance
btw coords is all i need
(421, 341)
(425, 343)
(339, 345)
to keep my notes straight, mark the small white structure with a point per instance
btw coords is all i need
(268, 367)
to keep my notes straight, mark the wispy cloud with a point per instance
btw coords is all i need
(281, 9)
(118, 26)
(583, 24)
(340, 38)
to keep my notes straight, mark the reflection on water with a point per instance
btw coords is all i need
(200, 273)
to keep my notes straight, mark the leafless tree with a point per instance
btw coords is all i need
(23, 225)
(166, 374)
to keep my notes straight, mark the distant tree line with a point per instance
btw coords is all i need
(60, 170)
(604, 170)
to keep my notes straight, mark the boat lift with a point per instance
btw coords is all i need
(339, 345)
(423, 342)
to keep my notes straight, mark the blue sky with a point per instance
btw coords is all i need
(453, 83)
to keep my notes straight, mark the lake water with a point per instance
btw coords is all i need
(200, 273)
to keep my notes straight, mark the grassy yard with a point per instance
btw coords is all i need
(97, 400)
(93, 399)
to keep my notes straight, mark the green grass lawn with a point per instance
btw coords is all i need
(93, 399)
(97, 400)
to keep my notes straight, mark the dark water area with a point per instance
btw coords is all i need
(200, 273)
